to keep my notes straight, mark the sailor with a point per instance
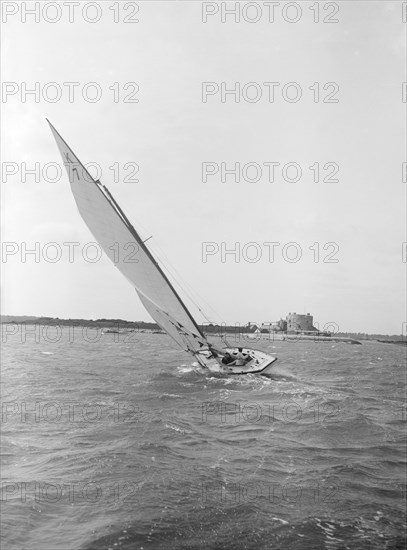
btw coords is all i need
(240, 358)
(227, 359)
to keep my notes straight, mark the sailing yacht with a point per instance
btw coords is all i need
(110, 227)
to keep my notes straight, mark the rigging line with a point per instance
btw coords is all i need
(164, 266)
(182, 283)
(157, 256)
(207, 334)
(190, 291)
(183, 286)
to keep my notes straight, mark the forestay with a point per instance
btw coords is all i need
(122, 244)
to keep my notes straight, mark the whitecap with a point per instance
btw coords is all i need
(283, 521)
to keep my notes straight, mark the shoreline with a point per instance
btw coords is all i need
(120, 325)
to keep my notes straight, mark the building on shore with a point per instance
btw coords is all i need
(265, 328)
(300, 322)
(294, 322)
(295, 327)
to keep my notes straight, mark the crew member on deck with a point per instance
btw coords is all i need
(240, 358)
(228, 359)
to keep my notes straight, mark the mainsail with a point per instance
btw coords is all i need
(122, 244)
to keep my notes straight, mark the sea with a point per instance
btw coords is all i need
(117, 441)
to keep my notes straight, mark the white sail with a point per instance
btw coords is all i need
(121, 243)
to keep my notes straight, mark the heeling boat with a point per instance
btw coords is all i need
(114, 233)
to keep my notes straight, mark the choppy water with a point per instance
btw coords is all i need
(123, 445)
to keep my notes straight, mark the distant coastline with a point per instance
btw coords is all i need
(147, 326)
(98, 323)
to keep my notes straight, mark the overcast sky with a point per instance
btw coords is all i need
(170, 132)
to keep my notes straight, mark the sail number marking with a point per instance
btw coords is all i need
(69, 161)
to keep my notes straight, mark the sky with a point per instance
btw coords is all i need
(353, 274)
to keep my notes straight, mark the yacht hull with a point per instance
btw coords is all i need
(260, 363)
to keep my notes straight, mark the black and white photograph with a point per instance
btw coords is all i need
(203, 275)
